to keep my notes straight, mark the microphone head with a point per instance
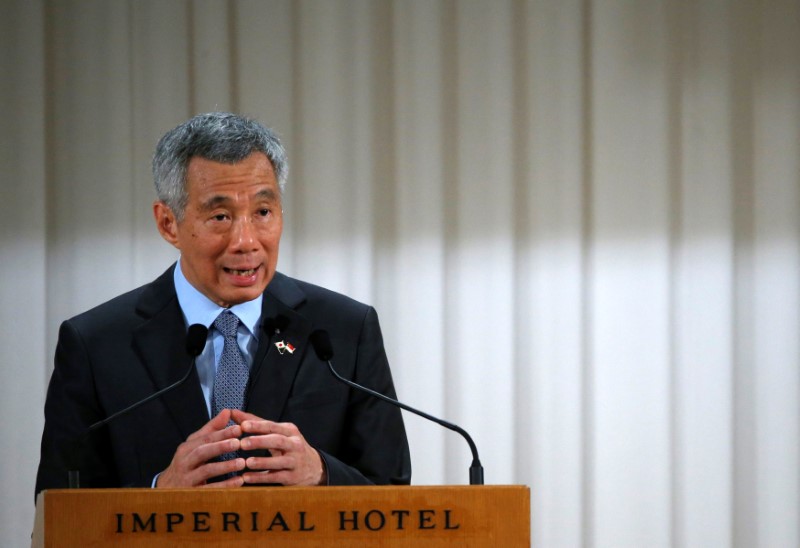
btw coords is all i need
(278, 323)
(321, 342)
(281, 322)
(196, 339)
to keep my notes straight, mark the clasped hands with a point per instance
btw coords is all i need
(292, 462)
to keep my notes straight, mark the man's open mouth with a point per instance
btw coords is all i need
(236, 272)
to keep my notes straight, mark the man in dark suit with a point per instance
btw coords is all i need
(219, 179)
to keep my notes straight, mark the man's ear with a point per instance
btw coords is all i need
(166, 222)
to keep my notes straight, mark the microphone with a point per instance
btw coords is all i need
(321, 342)
(271, 326)
(195, 342)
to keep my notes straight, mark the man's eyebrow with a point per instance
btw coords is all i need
(220, 200)
(214, 201)
(266, 194)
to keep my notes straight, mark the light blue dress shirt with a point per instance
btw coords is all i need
(197, 308)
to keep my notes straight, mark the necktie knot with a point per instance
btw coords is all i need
(227, 323)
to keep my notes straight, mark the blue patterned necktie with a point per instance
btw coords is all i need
(230, 381)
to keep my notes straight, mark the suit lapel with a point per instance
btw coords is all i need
(273, 372)
(160, 342)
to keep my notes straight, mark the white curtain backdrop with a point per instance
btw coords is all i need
(579, 221)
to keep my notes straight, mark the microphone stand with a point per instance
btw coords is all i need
(475, 469)
(321, 342)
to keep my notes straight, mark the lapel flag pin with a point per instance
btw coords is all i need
(285, 347)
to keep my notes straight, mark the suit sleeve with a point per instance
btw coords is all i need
(71, 406)
(376, 448)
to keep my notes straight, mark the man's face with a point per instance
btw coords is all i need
(230, 230)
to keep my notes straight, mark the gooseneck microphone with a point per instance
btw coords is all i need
(321, 342)
(195, 342)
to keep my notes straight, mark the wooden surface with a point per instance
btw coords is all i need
(343, 516)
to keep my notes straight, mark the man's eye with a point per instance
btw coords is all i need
(264, 212)
(220, 217)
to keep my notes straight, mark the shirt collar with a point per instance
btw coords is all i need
(197, 308)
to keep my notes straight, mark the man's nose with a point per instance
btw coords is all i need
(244, 238)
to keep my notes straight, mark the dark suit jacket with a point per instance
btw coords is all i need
(130, 347)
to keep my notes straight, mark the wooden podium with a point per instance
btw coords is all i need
(285, 516)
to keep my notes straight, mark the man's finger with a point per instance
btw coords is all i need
(264, 476)
(269, 427)
(270, 442)
(221, 468)
(220, 422)
(207, 451)
(272, 463)
(238, 416)
(196, 439)
(235, 481)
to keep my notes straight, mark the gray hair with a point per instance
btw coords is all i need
(217, 136)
